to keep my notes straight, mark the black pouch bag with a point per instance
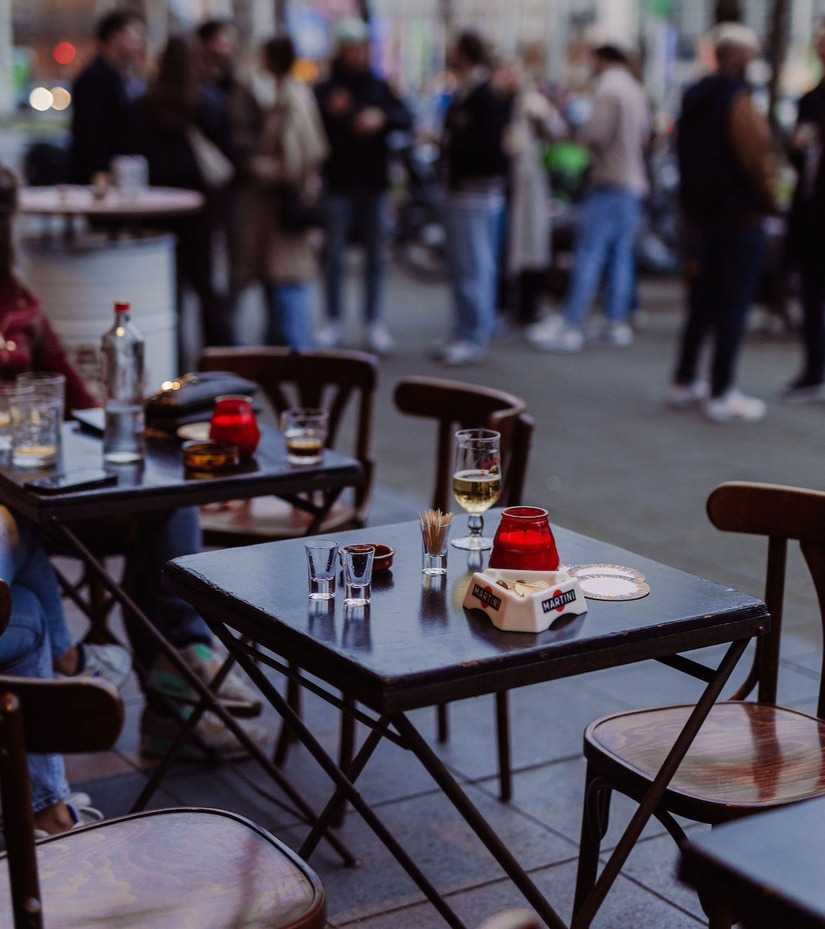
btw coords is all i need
(191, 398)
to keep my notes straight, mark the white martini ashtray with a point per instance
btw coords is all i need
(524, 601)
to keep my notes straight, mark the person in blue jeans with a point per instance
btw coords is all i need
(286, 163)
(617, 135)
(476, 166)
(37, 644)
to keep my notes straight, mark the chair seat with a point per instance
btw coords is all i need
(264, 518)
(172, 869)
(746, 756)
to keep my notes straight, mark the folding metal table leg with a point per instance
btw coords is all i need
(207, 699)
(344, 781)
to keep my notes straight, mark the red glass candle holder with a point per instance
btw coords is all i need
(233, 423)
(524, 541)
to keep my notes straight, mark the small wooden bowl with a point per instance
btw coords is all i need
(382, 559)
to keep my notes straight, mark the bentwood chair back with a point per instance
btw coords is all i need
(342, 382)
(177, 867)
(456, 405)
(748, 756)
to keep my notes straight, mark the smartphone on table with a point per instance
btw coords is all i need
(67, 481)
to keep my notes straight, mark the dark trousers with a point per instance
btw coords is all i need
(812, 281)
(723, 278)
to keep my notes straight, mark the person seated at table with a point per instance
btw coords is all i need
(148, 541)
(37, 643)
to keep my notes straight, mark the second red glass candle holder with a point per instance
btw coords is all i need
(233, 423)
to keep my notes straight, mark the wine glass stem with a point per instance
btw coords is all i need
(475, 524)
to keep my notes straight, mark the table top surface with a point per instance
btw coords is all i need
(159, 481)
(75, 200)
(769, 866)
(416, 644)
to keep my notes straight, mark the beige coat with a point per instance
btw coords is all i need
(292, 148)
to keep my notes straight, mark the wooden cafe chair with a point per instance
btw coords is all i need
(749, 756)
(175, 867)
(456, 405)
(342, 382)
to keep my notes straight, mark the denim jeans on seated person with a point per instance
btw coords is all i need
(160, 538)
(36, 635)
(605, 239)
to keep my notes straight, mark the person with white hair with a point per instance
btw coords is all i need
(728, 188)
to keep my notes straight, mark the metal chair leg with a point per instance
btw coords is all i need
(595, 820)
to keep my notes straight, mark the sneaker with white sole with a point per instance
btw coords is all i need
(553, 334)
(619, 335)
(379, 339)
(112, 663)
(687, 396)
(238, 696)
(734, 406)
(80, 809)
(458, 354)
(157, 734)
(329, 335)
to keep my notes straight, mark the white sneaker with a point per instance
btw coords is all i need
(735, 407)
(329, 335)
(619, 335)
(544, 328)
(555, 335)
(379, 339)
(461, 353)
(687, 396)
(112, 663)
(235, 693)
(81, 810)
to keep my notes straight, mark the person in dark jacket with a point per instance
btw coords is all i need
(476, 167)
(806, 233)
(359, 110)
(102, 93)
(728, 188)
(163, 123)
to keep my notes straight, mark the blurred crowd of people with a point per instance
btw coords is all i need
(319, 157)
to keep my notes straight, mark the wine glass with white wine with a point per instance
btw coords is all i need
(476, 481)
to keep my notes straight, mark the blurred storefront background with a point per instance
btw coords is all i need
(44, 42)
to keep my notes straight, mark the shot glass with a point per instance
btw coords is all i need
(321, 568)
(47, 383)
(357, 561)
(35, 429)
(434, 551)
(305, 432)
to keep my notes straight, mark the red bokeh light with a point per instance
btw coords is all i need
(64, 53)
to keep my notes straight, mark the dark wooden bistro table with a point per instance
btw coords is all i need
(158, 484)
(769, 868)
(415, 646)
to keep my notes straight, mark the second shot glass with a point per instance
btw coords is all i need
(357, 561)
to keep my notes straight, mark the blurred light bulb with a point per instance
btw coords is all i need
(41, 99)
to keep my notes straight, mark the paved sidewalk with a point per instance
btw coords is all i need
(608, 460)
